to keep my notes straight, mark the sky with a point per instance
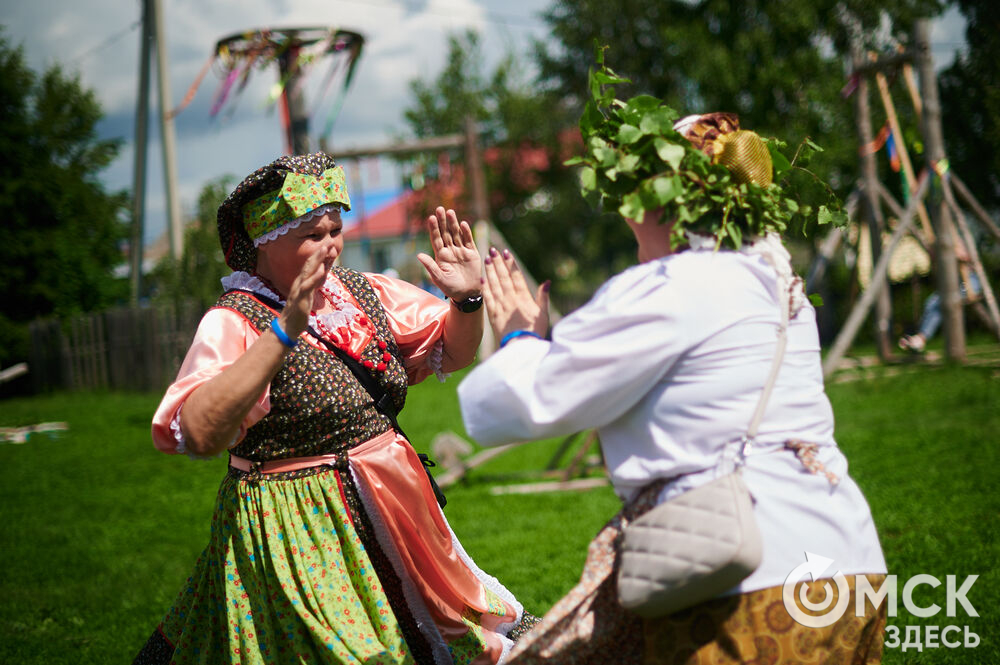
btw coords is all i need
(404, 40)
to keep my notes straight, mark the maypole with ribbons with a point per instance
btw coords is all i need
(295, 51)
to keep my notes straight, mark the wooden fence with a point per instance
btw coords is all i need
(137, 349)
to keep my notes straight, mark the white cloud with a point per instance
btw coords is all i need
(405, 39)
(94, 39)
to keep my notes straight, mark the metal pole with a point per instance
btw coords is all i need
(139, 169)
(175, 228)
(947, 265)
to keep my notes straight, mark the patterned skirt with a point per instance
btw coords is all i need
(355, 564)
(588, 626)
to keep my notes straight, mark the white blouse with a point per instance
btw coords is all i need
(667, 363)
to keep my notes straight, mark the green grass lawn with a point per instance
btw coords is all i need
(99, 530)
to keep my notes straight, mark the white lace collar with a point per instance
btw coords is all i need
(247, 282)
(344, 310)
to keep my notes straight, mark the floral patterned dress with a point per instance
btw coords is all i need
(351, 561)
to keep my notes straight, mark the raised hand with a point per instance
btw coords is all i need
(509, 304)
(456, 267)
(303, 294)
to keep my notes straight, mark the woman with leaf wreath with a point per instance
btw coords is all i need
(668, 362)
(327, 542)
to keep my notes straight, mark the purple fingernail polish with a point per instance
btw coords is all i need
(486, 260)
(506, 253)
(493, 251)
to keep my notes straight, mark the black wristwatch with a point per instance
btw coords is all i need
(469, 305)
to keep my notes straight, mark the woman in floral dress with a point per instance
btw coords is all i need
(327, 543)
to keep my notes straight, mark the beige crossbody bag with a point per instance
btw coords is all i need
(696, 546)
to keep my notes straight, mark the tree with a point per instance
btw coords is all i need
(62, 232)
(779, 65)
(196, 276)
(527, 132)
(970, 101)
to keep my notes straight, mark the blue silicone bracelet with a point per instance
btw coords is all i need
(282, 335)
(517, 333)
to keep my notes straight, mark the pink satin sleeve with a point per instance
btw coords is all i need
(222, 337)
(416, 319)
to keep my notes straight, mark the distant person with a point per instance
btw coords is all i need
(930, 320)
(668, 362)
(327, 543)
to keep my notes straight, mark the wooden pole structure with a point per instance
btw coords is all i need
(477, 176)
(897, 210)
(293, 105)
(478, 204)
(175, 227)
(904, 154)
(817, 271)
(978, 209)
(977, 265)
(947, 266)
(879, 279)
(871, 212)
(139, 168)
(918, 107)
(401, 147)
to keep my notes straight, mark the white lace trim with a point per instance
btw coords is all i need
(414, 601)
(295, 223)
(434, 360)
(344, 310)
(247, 282)
(181, 447)
(790, 285)
(771, 249)
(339, 318)
(699, 241)
(491, 583)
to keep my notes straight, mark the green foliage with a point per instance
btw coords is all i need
(778, 65)
(195, 277)
(970, 103)
(526, 132)
(62, 231)
(635, 163)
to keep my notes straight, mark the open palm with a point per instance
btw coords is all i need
(456, 267)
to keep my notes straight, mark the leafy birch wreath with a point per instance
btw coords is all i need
(635, 162)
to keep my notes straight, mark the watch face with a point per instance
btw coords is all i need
(469, 305)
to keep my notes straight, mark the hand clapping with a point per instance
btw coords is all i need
(456, 266)
(509, 304)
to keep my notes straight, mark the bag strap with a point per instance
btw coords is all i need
(772, 378)
(765, 396)
(383, 402)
